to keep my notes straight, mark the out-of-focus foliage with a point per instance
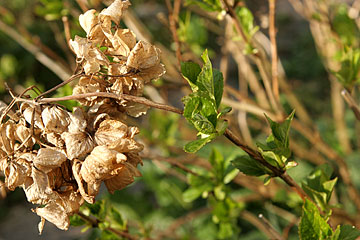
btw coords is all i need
(211, 201)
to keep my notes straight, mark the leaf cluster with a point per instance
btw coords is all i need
(201, 106)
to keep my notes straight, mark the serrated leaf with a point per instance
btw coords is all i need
(312, 225)
(281, 130)
(196, 145)
(248, 166)
(202, 124)
(319, 186)
(318, 197)
(205, 80)
(199, 104)
(190, 72)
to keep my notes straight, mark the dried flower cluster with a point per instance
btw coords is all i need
(60, 158)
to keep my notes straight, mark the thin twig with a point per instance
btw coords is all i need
(173, 19)
(270, 227)
(173, 162)
(351, 102)
(65, 21)
(131, 98)
(258, 157)
(259, 57)
(274, 57)
(251, 218)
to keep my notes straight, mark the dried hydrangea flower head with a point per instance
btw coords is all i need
(125, 64)
(60, 157)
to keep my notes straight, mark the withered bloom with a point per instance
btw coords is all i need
(61, 158)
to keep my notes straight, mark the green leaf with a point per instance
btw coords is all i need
(231, 175)
(98, 209)
(190, 72)
(312, 225)
(195, 146)
(247, 21)
(217, 161)
(202, 124)
(225, 230)
(248, 166)
(345, 232)
(193, 193)
(76, 220)
(200, 104)
(116, 217)
(319, 186)
(205, 80)
(224, 111)
(267, 180)
(281, 130)
(218, 86)
(219, 192)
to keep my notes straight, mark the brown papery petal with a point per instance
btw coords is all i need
(110, 131)
(143, 56)
(78, 121)
(115, 10)
(77, 144)
(15, 175)
(88, 20)
(76, 167)
(55, 214)
(125, 145)
(48, 159)
(55, 119)
(100, 164)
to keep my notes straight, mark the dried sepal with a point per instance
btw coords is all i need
(55, 139)
(15, 175)
(7, 137)
(112, 109)
(32, 115)
(82, 185)
(110, 131)
(24, 136)
(115, 10)
(136, 109)
(78, 121)
(89, 85)
(143, 56)
(48, 159)
(55, 119)
(55, 214)
(101, 164)
(123, 41)
(36, 187)
(89, 21)
(88, 54)
(77, 144)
